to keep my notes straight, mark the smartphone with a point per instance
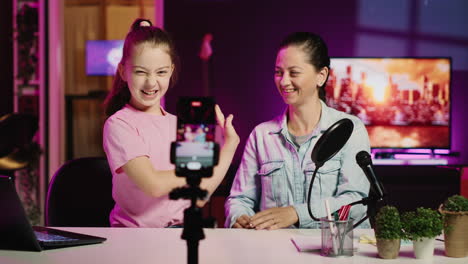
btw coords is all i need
(195, 151)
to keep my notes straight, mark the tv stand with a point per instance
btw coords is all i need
(389, 153)
(412, 156)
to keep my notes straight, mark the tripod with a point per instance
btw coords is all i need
(193, 221)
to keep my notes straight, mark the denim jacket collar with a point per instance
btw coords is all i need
(323, 124)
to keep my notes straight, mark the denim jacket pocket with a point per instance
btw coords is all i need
(330, 166)
(273, 179)
(326, 180)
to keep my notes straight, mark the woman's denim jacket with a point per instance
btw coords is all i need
(272, 174)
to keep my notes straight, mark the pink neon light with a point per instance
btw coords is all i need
(427, 151)
(412, 156)
(442, 151)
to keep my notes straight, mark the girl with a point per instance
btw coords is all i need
(138, 134)
(271, 184)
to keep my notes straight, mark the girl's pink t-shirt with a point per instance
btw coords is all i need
(130, 133)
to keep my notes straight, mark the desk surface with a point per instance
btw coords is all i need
(141, 245)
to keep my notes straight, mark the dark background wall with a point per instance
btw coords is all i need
(247, 33)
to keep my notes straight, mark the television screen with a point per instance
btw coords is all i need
(404, 102)
(103, 56)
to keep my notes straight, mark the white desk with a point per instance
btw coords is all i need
(140, 246)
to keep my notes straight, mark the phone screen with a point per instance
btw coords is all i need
(195, 148)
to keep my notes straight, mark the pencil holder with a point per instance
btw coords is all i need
(337, 238)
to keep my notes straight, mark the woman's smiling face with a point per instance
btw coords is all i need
(296, 79)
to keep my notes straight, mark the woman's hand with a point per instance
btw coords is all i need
(242, 222)
(274, 218)
(230, 135)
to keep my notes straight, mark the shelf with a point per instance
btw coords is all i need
(29, 37)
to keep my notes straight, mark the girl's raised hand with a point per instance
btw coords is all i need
(229, 132)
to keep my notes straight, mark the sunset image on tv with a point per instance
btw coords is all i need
(404, 102)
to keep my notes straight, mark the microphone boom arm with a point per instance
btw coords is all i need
(309, 195)
(366, 201)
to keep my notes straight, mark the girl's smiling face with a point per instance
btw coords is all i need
(147, 72)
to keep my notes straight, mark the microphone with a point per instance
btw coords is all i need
(364, 161)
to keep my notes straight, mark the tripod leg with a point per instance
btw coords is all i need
(192, 251)
(193, 231)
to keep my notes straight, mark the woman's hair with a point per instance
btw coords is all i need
(120, 94)
(315, 49)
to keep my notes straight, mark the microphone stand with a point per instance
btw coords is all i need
(193, 221)
(371, 202)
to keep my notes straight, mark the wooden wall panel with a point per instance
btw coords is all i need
(92, 20)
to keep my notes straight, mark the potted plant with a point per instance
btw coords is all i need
(422, 226)
(455, 214)
(388, 232)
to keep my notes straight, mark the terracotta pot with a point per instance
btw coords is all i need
(388, 248)
(456, 238)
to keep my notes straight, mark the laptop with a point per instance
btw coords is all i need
(17, 233)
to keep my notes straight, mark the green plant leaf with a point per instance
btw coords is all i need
(456, 203)
(388, 224)
(423, 222)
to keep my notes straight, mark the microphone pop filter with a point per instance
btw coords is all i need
(331, 141)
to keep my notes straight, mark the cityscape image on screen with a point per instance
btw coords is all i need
(404, 102)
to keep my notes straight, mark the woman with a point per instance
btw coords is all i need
(271, 184)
